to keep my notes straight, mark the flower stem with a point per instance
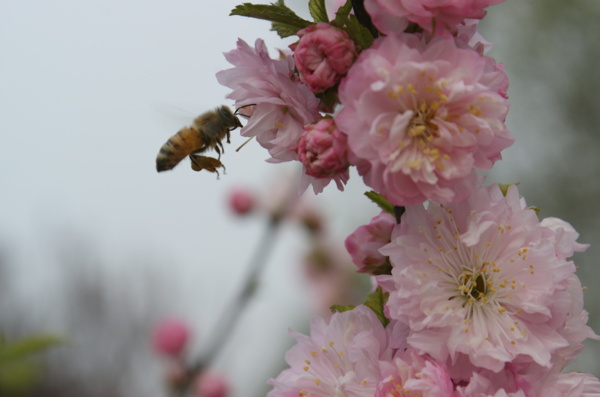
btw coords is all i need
(232, 314)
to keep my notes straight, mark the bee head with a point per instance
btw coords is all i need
(229, 119)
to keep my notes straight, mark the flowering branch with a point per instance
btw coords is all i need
(476, 296)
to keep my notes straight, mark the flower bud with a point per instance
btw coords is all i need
(241, 201)
(364, 243)
(323, 55)
(323, 150)
(170, 337)
(211, 385)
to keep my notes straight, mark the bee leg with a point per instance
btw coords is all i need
(228, 135)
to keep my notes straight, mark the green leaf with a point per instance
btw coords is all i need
(18, 377)
(376, 301)
(358, 32)
(283, 30)
(341, 16)
(276, 12)
(341, 308)
(380, 201)
(25, 347)
(318, 11)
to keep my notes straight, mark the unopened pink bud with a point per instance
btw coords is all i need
(323, 55)
(170, 337)
(211, 385)
(364, 243)
(241, 201)
(323, 150)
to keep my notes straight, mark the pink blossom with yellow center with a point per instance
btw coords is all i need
(339, 358)
(480, 283)
(422, 118)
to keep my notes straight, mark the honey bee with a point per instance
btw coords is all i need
(207, 132)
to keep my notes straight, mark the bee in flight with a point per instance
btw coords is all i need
(207, 132)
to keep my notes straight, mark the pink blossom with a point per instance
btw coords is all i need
(416, 374)
(574, 384)
(211, 385)
(170, 337)
(566, 236)
(420, 119)
(283, 105)
(439, 17)
(323, 150)
(364, 244)
(241, 201)
(337, 358)
(478, 282)
(323, 55)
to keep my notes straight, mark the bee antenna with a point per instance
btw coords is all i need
(244, 144)
(237, 111)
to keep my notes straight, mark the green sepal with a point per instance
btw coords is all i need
(504, 187)
(341, 308)
(380, 201)
(376, 302)
(318, 11)
(284, 19)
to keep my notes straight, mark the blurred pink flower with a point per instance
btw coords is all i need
(323, 150)
(283, 105)
(337, 358)
(211, 385)
(439, 17)
(364, 244)
(420, 119)
(323, 55)
(502, 294)
(420, 375)
(170, 337)
(241, 201)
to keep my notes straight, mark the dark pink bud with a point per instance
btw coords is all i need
(323, 55)
(170, 337)
(323, 150)
(241, 201)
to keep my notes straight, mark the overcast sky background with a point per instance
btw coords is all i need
(89, 91)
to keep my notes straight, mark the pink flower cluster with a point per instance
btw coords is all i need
(483, 301)
(421, 113)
